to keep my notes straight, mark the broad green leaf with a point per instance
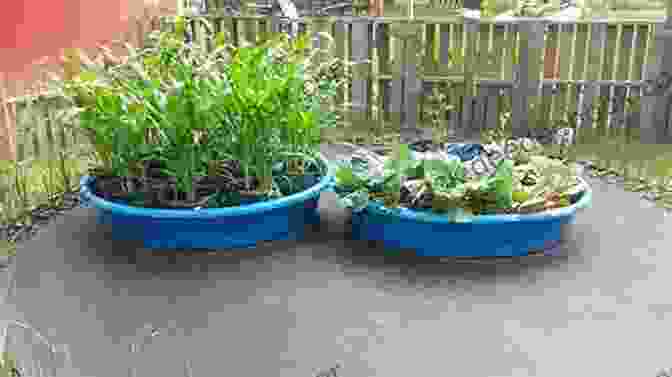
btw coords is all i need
(448, 173)
(345, 177)
(504, 183)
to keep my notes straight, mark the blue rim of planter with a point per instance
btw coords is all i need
(325, 183)
(585, 200)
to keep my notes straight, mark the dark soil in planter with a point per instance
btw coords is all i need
(226, 187)
(424, 146)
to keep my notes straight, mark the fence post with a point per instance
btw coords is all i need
(657, 89)
(471, 22)
(408, 84)
(526, 86)
(397, 84)
(591, 89)
(412, 83)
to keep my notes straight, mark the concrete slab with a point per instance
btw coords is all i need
(286, 309)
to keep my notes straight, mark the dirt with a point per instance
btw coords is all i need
(226, 187)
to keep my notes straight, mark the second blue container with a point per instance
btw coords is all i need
(486, 235)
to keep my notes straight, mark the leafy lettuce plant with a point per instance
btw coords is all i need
(442, 184)
(543, 176)
(353, 183)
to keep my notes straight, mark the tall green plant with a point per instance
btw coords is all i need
(188, 107)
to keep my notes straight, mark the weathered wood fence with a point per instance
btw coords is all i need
(493, 69)
(488, 63)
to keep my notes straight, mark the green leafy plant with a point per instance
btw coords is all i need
(32, 183)
(236, 119)
(440, 184)
(545, 179)
(22, 190)
(605, 148)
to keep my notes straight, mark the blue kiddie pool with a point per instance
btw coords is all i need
(430, 234)
(210, 228)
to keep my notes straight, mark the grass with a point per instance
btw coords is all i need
(7, 248)
(26, 186)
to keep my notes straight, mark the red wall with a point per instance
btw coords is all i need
(31, 30)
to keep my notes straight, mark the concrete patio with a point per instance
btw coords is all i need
(286, 309)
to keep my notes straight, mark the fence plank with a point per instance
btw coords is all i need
(397, 85)
(478, 110)
(604, 101)
(609, 64)
(527, 87)
(360, 43)
(230, 27)
(471, 29)
(377, 85)
(458, 39)
(455, 116)
(489, 54)
(607, 58)
(429, 38)
(498, 49)
(34, 133)
(655, 107)
(482, 49)
(492, 108)
(566, 52)
(509, 51)
(624, 53)
(340, 35)
(444, 45)
(618, 116)
(555, 103)
(383, 49)
(594, 45)
(632, 116)
(582, 50)
(412, 83)
(642, 41)
(545, 106)
(573, 95)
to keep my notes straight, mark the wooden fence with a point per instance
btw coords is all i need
(557, 67)
(483, 62)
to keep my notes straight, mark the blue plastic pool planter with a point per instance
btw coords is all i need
(210, 228)
(431, 234)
